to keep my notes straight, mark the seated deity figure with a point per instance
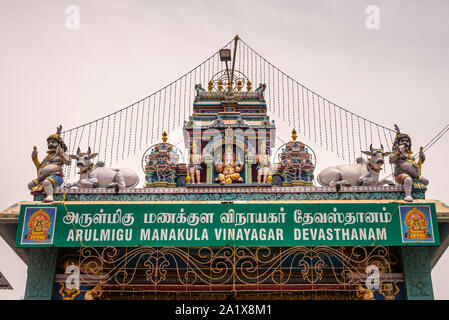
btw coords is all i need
(406, 169)
(49, 170)
(194, 166)
(263, 164)
(228, 170)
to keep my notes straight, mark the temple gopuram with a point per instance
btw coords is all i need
(230, 212)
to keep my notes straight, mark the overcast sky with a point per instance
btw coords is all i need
(125, 50)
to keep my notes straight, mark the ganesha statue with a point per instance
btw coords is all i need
(407, 171)
(49, 170)
(228, 169)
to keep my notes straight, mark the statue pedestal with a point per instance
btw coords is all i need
(159, 184)
(296, 183)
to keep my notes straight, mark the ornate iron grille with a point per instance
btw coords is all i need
(231, 272)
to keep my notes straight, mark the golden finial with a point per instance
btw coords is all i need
(239, 85)
(229, 85)
(220, 85)
(248, 85)
(164, 136)
(294, 134)
(210, 86)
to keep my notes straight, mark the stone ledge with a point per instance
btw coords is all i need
(232, 194)
(213, 188)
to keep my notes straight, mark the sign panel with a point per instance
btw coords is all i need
(222, 224)
(38, 226)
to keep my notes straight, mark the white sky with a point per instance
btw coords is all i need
(123, 51)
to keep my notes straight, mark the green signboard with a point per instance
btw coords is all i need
(227, 224)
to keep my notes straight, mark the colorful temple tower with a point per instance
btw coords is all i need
(236, 220)
(229, 118)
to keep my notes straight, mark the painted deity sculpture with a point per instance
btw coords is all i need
(194, 165)
(228, 170)
(307, 170)
(99, 176)
(160, 164)
(296, 163)
(389, 291)
(49, 170)
(263, 165)
(364, 293)
(407, 171)
(362, 173)
(94, 293)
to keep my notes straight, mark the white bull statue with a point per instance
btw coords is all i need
(99, 176)
(362, 173)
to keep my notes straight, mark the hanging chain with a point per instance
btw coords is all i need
(293, 106)
(106, 142)
(88, 135)
(278, 98)
(124, 134)
(113, 137)
(118, 136)
(342, 137)
(174, 104)
(314, 117)
(325, 122)
(319, 119)
(347, 136)
(136, 125)
(283, 99)
(353, 137)
(164, 108)
(185, 103)
(336, 131)
(130, 126)
(259, 70)
(148, 121)
(158, 132)
(141, 124)
(378, 134)
(360, 137)
(303, 112)
(308, 114)
(330, 125)
(366, 136)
